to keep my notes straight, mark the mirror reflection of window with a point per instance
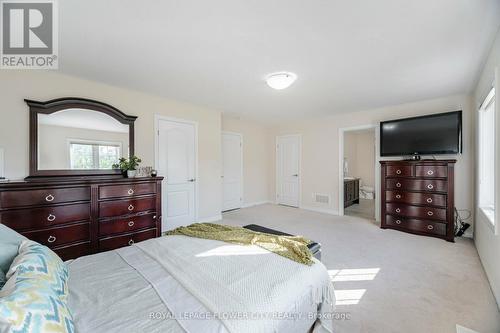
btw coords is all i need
(80, 139)
(93, 155)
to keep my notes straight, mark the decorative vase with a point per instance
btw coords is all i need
(130, 173)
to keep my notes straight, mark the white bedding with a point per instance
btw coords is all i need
(139, 289)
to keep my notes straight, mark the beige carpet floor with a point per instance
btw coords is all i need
(389, 281)
(365, 209)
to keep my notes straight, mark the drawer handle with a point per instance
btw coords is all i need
(51, 239)
(131, 224)
(398, 210)
(130, 192)
(154, 217)
(429, 200)
(430, 227)
(131, 242)
(430, 186)
(131, 208)
(430, 213)
(49, 198)
(398, 172)
(398, 221)
(430, 172)
(398, 184)
(51, 218)
(398, 196)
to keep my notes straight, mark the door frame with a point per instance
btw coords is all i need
(157, 119)
(299, 136)
(241, 174)
(342, 132)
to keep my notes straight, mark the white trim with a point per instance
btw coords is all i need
(242, 198)
(256, 203)
(342, 132)
(299, 136)
(210, 219)
(321, 210)
(157, 118)
(493, 225)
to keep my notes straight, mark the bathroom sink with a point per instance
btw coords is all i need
(349, 178)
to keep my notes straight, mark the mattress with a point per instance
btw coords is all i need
(135, 289)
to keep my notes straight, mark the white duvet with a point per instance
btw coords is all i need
(179, 283)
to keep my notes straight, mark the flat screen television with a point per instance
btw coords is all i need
(428, 135)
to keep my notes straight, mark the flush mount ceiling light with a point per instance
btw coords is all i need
(281, 80)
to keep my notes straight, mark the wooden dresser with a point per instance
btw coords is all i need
(418, 197)
(81, 216)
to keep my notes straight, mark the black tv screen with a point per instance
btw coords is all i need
(428, 135)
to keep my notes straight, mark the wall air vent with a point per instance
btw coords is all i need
(321, 198)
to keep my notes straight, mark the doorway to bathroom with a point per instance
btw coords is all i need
(358, 172)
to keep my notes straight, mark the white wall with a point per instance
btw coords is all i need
(257, 149)
(487, 243)
(15, 86)
(359, 150)
(320, 147)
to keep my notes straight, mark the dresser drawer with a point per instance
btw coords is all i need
(49, 196)
(73, 251)
(430, 185)
(415, 198)
(117, 191)
(39, 218)
(126, 207)
(416, 225)
(61, 235)
(399, 170)
(130, 224)
(112, 243)
(431, 171)
(414, 211)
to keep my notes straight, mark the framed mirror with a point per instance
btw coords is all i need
(78, 137)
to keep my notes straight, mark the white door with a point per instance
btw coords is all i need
(288, 170)
(177, 163)
(231, 171)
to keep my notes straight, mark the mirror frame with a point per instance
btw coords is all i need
(55, 105)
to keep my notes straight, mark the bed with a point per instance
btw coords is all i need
(186, 284)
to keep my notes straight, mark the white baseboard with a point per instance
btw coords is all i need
(320, 210)
(257, 203)
(210, 219)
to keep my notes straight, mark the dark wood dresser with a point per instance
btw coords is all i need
(77, 217)
(418, 197)
(351, 192)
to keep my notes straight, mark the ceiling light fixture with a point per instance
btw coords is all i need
(281, 80)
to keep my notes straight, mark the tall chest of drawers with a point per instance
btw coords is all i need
(83, 216)
(418, 197)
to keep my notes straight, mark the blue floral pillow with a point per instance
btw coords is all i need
(34, 298)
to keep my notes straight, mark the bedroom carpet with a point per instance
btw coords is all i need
(389, 281)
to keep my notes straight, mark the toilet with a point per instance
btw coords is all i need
(366, 192)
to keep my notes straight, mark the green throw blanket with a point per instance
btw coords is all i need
(291, 247)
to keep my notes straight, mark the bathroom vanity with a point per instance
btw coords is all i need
(351, 191)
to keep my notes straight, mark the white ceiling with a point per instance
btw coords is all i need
(86, 119)
(348, 55)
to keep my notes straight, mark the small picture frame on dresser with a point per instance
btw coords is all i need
(144, 172)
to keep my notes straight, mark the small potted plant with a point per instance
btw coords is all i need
(128, 165)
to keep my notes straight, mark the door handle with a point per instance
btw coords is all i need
(296, 175)
(191, 180)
